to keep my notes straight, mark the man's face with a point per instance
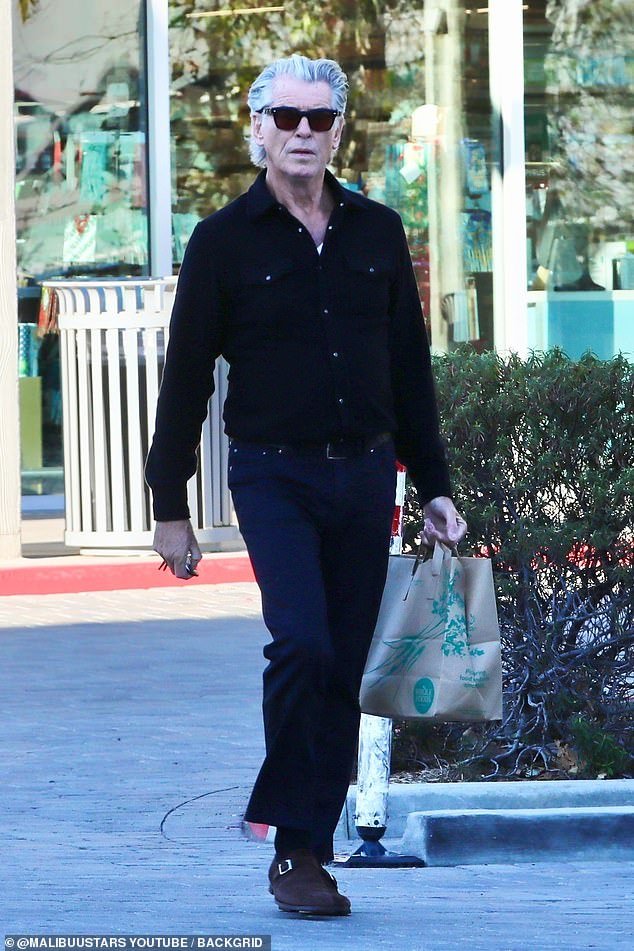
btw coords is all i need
(300, 153)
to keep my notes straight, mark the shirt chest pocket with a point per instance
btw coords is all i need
(265, 291)
(367, 288)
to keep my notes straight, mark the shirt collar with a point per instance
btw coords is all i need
(260, 200)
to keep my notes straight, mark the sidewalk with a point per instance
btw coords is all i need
(131, 738)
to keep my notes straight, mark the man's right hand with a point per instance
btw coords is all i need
(172, 541)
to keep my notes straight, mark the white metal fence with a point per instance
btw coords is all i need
(113, 339)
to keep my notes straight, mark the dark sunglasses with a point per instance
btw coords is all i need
(288, 118)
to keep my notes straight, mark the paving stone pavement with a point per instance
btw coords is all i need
(130, 738)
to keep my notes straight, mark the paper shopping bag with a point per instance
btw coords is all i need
(435, 652)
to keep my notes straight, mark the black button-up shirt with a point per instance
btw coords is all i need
(320, 346)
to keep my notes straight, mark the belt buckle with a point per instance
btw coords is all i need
(330, 452)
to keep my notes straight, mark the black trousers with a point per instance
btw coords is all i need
(317, 531)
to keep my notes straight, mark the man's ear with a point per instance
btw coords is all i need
(336, 140)
(256, 127)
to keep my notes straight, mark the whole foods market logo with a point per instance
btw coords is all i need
(423, 694)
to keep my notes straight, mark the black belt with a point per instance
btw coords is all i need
(346, 448)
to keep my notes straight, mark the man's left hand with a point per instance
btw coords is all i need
(442, 522)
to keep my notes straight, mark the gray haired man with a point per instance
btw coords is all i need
(307, 289)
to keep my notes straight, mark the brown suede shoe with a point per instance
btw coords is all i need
(299, 883)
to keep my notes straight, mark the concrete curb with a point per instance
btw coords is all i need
(487, 836)
(481, 823)
(405, 798)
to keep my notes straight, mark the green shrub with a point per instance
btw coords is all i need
(599, 753)
(542, 459)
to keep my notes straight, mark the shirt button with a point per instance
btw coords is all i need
(371, 270)
(329, 227)
(341, 204)
(300, 230)
(336, 353)
(340, 400)
(268, 277)
(326, 311)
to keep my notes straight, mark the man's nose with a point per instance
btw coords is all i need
(304, 126)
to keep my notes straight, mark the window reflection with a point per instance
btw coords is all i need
(80, 140)
(580, 176)
(81, 202)
(418, 128)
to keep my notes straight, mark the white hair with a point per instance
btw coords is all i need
(299, 67)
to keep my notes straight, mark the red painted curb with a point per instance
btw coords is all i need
(71, 579)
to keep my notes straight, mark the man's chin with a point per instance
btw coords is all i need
(304, 165)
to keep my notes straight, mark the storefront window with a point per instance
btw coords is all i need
(80, 183)
(579, 82)
(418, 133)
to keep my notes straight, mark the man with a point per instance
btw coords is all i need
(308, 291)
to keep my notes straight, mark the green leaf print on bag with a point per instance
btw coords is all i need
(450, 605)
(407, 650)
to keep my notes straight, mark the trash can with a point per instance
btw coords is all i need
(113, 338)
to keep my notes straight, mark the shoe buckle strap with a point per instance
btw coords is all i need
(334, 451)
(283, 870)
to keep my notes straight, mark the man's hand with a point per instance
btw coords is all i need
(173, 541)
(442, 522)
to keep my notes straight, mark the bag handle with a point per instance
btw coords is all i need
(440, 552)
(417, 560)
(438, 557)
